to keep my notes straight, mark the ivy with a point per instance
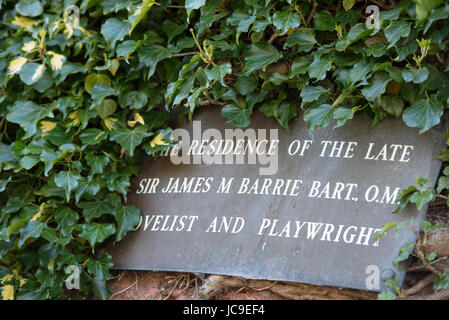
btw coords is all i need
(82, 98)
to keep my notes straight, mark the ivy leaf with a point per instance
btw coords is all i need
(442, 282)
(392, 105)
(31, 72)
(193, 5)
(377, 87)
(151, 56)
(127, 218)
(218, 73)
(95, 209)
(29, 8)
(100, 289)
(27, 114)
(285, 113)
(318, 116)
(106, 108)
(97, 163)
(284, 21)
(324, 21)
(65, 217)
(68, 180)
(139, 13)
(133, 100)
(437, 14)
(424, 7)
(415, 75)
(100, 268)
(92, 136)
(95, 79)
(236, 115)
(86, 185)
(424, 113)
(319, 66)
(421, 198)
(348, 4)
(404, 253)
(312, 93)
(33, 229)
(130, 139)
(259, 56)
(303, 38)
(397, 30)
(114, 30)
(96, 232)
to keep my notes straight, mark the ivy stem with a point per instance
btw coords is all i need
(177, 55)
(309, 18)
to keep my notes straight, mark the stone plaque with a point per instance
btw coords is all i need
(261, 202)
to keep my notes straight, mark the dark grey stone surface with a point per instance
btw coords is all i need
(247, 253)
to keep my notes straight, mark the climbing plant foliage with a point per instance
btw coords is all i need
(88, 86)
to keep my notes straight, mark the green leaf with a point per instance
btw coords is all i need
(32, 72)
(139, 13)
(130, 139)
(127, 218)
(442, 282)
(92, 136)
(301, 65)
(318, 116)
(96, 232)
(424, 114)
(422, 198)
(193, 5)
(27, 114)
(95, 79)
(285, 113)
(86, 185)
(303, 38)
(348, 4)
(344, 114)
(100, 289)
(97, 208)
(312, 93)
(133, 100)
(106, 108)
(151, 56)
(397, 30)
(415, 75)
(33, 230)
(100, 268)
(236, 115)
(285, 20)
(218, 72)
(377, 87)
(404, 253)
(5, 153)
(245, 85)
(392, 105)
(114, 30)
(259, 56)
(437, 14)
(65, 217)
(68, 180)
(386, 295)
(324, 21)
(29, 8)
(96, 163)
(424, 7)
(319, 66)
